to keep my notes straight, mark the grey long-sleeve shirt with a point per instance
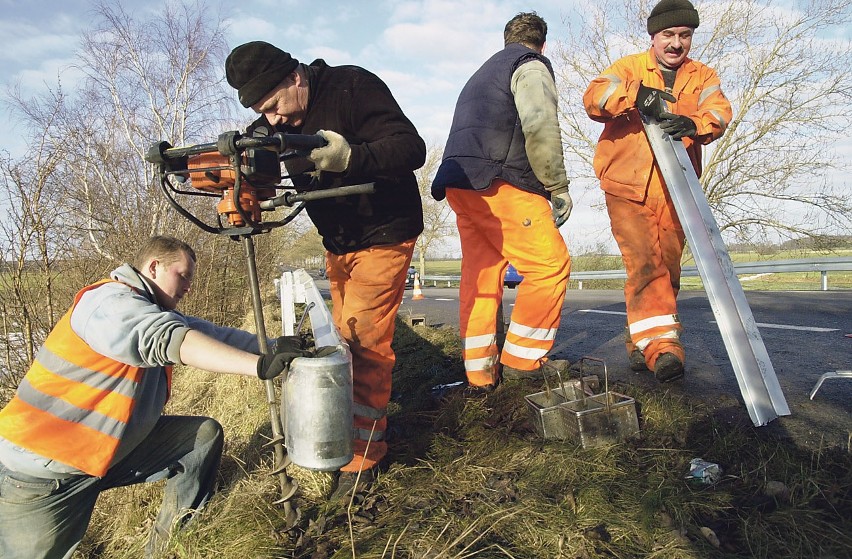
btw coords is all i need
(536, 100)
(129, 326)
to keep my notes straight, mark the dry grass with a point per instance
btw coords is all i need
(470, 478)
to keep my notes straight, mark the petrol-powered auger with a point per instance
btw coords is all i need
(244, 173)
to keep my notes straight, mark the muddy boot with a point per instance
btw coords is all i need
(511, 373)
(549, 368)
(476, 392)
(668, 367)
(553, 366)
(637, 361)
(349, 483)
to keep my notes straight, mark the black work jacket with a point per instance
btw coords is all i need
(386, 149)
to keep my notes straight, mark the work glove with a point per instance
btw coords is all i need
(325, 351)
(289, 344)
(270, 365)
(649, 101)
(562, 205)
(334, 156)
(677, 126)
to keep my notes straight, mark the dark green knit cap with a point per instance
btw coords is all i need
(672, 13)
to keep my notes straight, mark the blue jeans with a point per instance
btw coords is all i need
(46, 518)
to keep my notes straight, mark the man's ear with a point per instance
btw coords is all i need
(152, 268)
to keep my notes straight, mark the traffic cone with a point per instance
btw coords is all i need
(417, 294)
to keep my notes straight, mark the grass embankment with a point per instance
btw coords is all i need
(470, 478)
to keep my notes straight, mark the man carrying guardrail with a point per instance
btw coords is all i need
(643, 217)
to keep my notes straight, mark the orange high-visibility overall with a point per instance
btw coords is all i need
(644, 221)
(366, 290)
(497, 226)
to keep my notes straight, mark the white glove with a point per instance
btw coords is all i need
(334, 156)
(562, 205)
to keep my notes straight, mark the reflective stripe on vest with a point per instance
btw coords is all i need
(73, 405)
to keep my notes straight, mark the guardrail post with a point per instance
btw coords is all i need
(824, 280)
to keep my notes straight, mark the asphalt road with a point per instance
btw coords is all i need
(805, 333)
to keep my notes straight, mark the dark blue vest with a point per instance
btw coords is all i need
(486, 141)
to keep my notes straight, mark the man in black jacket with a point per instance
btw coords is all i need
(369, 238)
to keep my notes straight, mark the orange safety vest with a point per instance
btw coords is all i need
(73, 404)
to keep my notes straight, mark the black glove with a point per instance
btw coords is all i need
(270, 365)
(325, 351)
(649, 101)
(287, 344)
(677, 126)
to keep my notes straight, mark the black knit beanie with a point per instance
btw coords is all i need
(672, 13)
(255, 68)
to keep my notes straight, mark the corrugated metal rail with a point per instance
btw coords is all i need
(822, 265)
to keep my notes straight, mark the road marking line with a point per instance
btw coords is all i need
(602, 312)
(439, 299)
(760, 324)
(791, 327)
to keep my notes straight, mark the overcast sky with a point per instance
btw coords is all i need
(423, 49)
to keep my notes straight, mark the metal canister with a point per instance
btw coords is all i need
(316, 410)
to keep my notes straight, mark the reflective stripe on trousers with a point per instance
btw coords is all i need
(496, 226)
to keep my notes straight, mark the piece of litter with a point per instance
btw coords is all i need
(706, 473)
(439, 387)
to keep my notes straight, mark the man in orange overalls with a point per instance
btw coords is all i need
(641, 212)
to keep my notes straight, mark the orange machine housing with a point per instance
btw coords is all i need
(213, 172)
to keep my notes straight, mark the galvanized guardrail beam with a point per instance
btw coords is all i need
(755, 374)
(822, 265)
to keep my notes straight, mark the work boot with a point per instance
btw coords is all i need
(473, 391)
(511, 373)
(668, 367)
(549, 368)
(346, 485)
(637, 361)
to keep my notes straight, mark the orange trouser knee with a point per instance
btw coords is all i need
(496, 226)
(366, 290)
